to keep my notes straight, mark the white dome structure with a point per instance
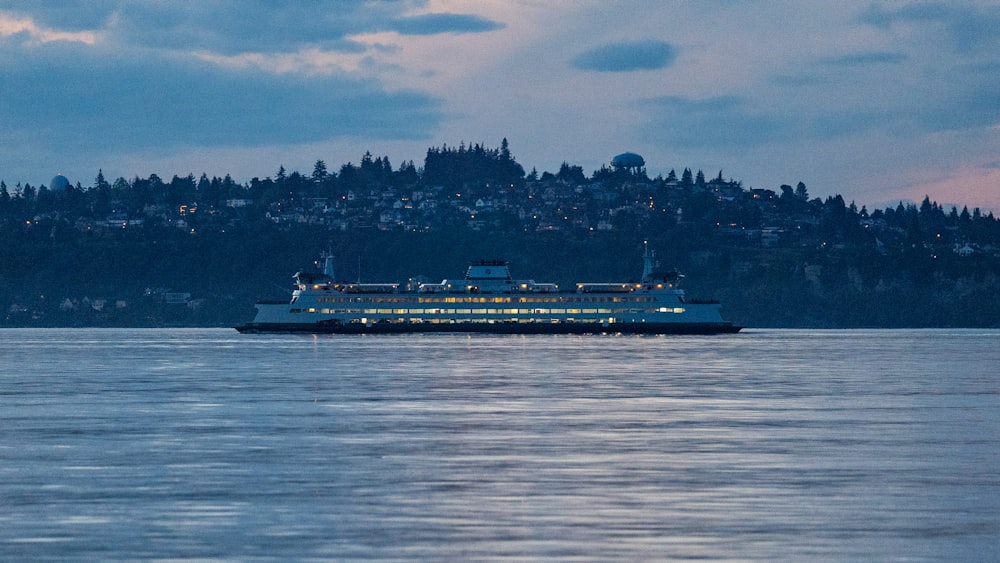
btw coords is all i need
(58, 183)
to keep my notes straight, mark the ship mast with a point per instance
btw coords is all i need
(328, 265)
(648, 262)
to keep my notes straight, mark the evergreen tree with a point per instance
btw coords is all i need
(407, 174)
(965, 217)
(208, 192)
(572, 175)
(350, 177)
(230, 189)
(100, 183)
(181, 190)
(470, 165)
(101, 198)
(787, 194)
(319, 174)
(926, 207)
(687, 180)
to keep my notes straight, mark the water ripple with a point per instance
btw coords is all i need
(768, 445)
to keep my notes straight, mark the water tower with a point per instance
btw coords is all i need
(628, 161)
(58, 183)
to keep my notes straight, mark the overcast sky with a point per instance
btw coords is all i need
(877, 101)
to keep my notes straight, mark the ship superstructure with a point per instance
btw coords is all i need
(489, 299)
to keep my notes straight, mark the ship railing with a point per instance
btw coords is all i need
(432, 288)
(606, 287)
(312, 278)
(544, 288)
(368, 288)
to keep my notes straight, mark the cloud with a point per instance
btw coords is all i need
(720, 121)
(828, 71)
(626, 57)
(746, 122)
(864, 59)
(27, 31)
(972, 109)
(68, 15)
(104, 101)
(904, 94)
(232, 27)
(971, 29)
(217, 73)
(433, 24)
(227, 27)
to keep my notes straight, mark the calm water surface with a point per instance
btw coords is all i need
(767, 445)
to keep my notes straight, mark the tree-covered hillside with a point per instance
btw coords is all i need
(200, 250)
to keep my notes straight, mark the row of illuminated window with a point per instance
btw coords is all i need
(482, 321)
(583, 299)
(376, 311)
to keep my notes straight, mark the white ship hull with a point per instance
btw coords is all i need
(572, 314)
(489, 300)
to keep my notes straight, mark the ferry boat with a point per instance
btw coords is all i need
(489, 300)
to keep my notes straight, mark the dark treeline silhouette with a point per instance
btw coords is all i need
(200, 250)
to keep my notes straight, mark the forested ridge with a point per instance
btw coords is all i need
(199, 251)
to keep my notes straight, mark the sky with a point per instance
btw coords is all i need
(878, 101)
